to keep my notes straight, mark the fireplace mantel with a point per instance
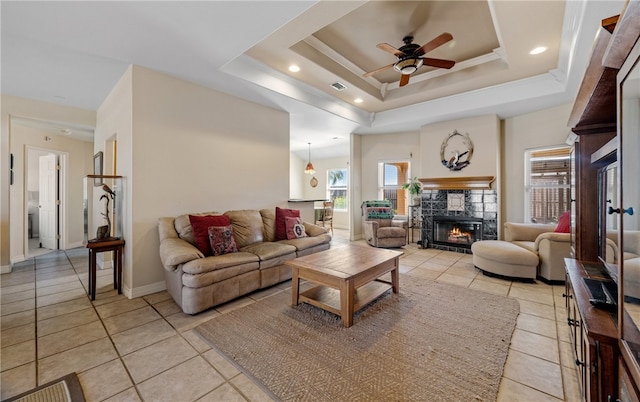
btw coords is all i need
(458, 183)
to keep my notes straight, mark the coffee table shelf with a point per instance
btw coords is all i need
(329, 298)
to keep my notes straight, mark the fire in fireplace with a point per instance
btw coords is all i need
(456, 231)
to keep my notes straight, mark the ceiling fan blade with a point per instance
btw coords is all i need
(434, 43)
(404, 79)
(370, 73)
(388, 48)
(440, 63)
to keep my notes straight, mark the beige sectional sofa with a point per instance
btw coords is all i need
(631, 257)
(197, 282)
(550, 246)
(528, 251)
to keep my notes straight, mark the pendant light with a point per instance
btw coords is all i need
(309, 169)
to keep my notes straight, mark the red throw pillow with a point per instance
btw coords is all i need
(200, 225)
(222, 240)
(564, 223)
(295, 228)
(281, 214)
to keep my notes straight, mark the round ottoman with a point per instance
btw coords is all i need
(504, 258)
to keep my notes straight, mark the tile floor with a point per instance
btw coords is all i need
(145, 348)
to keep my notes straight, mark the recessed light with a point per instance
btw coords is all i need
(538, 50)
(358, 100)
(293, 68)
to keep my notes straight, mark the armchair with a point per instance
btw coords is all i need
(380, 229)
(550, 246)
(631, 257)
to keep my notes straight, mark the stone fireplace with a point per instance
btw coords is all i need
(457, 212)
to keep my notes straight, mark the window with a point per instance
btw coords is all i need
(337, 180)
(547, 184)
(392, 175)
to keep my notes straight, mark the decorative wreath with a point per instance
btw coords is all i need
(456, 151)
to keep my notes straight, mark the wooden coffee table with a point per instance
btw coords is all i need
(347, 278)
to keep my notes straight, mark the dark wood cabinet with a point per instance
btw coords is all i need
(606, 344)
(594, 335)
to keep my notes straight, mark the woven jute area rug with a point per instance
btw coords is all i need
(430, 342)
(65, 389)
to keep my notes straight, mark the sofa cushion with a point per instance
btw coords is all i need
(304, 243)
(268, 250)
(525, 231)
(200, 225)
(295, 228)
(564, 223)
(217, 275)
(221, 240)
(391, 231)
(247, 226)
(281, 214)
(269, 223)
(219, 261)
(529, 245)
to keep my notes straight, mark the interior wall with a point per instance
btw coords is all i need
(189, 149)
(296, 176)
(484, 132)
(355, 186)
(80, 162)
(543, 128)
(404, 146)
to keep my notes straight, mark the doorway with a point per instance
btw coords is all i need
(43, 200)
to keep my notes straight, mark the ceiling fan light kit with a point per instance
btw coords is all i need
(410, 57)
(408, 66)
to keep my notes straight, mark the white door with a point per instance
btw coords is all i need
(48, 210)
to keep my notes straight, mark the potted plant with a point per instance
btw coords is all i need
(415, 189)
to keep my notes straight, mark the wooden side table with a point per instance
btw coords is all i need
(115, 245)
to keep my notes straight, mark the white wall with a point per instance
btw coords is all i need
(186, 148)
(534, 130)
(484, 132)
(404, 146)
(79, 163)
(296, 176)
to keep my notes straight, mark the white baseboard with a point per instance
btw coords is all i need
(5, 269)
(74, 245)
(144, 290)
(17, 259)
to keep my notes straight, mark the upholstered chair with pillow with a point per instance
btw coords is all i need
(551, 242)
(380, 229)
(631, 257)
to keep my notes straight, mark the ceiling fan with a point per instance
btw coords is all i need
(410, 57)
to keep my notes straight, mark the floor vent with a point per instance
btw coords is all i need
(338, 86)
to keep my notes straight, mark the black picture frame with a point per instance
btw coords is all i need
(97, 169)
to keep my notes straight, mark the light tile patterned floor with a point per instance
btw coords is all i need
(145, 348)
